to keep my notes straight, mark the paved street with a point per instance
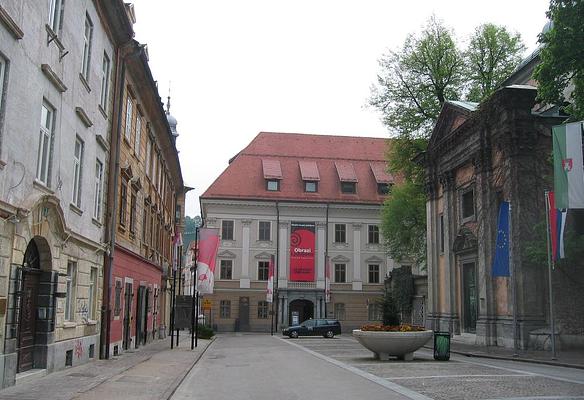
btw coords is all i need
(245, 366)
(149, 373)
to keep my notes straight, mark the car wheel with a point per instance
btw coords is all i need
(293, 335)
(329, 334)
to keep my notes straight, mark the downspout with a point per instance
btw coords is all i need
(114, 175)
(326, 260)
(277, 273)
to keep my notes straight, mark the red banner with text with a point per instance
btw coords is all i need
(302, 242)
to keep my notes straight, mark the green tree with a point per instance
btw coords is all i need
(413, 85)
(562, 57)
(492, 54)
(415, 81)
(403, 223)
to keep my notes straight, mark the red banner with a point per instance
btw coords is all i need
(208, 245)
(302, 242)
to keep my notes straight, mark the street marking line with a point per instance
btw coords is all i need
(373, 378)
(543, 398)
(526, 373)
(458, 376)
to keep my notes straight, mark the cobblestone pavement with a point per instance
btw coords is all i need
(150, 372)
(462, 377)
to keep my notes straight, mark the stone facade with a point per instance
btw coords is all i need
(478, 157)
(54, 124)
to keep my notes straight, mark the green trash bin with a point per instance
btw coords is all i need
(442, 346)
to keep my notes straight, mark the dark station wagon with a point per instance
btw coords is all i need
(314, 327)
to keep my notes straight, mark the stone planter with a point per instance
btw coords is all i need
(399, 344)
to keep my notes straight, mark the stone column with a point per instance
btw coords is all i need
(320, 261)
(357, 280)
(431, 256)
(449, 216)
(244, 281)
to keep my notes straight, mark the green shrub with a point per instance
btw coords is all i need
(205, 332)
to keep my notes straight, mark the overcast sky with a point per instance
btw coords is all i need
(236, 68)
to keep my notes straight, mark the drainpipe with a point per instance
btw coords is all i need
(114, 175)
(276, 283)
(326, 260)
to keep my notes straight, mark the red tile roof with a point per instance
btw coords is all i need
(309, 170)
(244, 177)
(346, 171)
(272, 169)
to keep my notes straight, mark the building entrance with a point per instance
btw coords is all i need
(27, 326)
(470, 304)
(300, 310)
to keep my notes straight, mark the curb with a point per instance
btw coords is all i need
(179, 379)
(507, 358)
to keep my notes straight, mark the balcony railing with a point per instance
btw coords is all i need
(301, 285)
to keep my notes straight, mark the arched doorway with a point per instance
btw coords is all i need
(30, 279)
(300, 310)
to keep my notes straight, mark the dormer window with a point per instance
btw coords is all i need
(347, 176)
(348, 187)
(272, 174)
(384, 188)
(383, 179)
(272, 185)
(310, 186)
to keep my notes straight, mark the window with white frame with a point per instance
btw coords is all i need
(264, 230)
(226, 270)
(373, 234)
(87, 39)
(263, 270)
(105, 82)
(340, 233)
(373, 273)
(97, 197)
(70, 296)
(226, 230)
(45, 153)
(374, 312)
(129, 113)
(225, 309)
(92, 293)
(56, 14)
(340, 273)
(339, 310)
(148, 155)
(262, 309)
(138, 137)
(2, 75)
(77, 171)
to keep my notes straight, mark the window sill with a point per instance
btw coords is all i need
(103, 112)
(91, 322)
(42, 187)
(75, 209)
(96, 222)
(84, 82)
(69, 324)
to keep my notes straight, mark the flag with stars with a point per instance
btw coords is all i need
(501, 261)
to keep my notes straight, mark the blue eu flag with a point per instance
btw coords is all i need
(501, 262)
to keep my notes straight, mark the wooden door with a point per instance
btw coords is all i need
(27, 321)
(244, 313)
(470, 303)
(128, 296)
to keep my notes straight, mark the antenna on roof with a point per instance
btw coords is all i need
(168, 100)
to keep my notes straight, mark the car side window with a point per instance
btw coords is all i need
(309, 323)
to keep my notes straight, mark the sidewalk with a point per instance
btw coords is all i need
(566, 358)
(150, 372)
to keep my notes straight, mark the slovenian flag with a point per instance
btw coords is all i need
(557, 223)
(568, 166)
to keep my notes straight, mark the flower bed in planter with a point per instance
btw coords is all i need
(399, 341)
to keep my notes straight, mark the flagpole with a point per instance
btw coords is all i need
(549, 260)
(513, 283)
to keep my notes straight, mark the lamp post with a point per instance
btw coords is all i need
(194, 292)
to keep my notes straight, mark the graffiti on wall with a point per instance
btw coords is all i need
(78, 348)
